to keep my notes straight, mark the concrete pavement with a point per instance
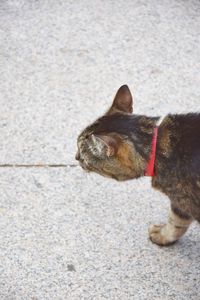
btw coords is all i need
(65, 234)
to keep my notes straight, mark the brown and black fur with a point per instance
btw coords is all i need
(118, 145)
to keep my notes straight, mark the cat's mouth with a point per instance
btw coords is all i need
(85, 167)
(82, 162)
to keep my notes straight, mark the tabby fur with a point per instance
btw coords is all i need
(118, 145)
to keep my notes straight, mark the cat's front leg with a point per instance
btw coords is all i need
(167, 234)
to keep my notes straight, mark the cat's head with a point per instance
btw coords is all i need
(105, 147)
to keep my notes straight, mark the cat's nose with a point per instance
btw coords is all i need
(77, 157)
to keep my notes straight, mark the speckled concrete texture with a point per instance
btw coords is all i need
(65, 234)
(62, 62)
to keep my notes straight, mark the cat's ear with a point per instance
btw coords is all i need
(123, 101)
(105, 145)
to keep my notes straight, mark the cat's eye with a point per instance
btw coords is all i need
(87, 136)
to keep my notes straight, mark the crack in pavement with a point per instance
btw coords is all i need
(38, 165)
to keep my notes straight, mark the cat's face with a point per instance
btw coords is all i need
(102, 148)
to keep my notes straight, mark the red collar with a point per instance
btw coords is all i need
(150, 167)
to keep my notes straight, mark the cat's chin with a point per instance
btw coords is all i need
(111, 176)
(117, 178)
(84, 168)
(121, 178)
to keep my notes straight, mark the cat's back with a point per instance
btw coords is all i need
(184, 135)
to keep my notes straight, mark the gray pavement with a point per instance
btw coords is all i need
(65, 234)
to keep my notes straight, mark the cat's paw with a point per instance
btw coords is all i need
(159, 235)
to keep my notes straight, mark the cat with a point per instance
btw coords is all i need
(122, 145)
